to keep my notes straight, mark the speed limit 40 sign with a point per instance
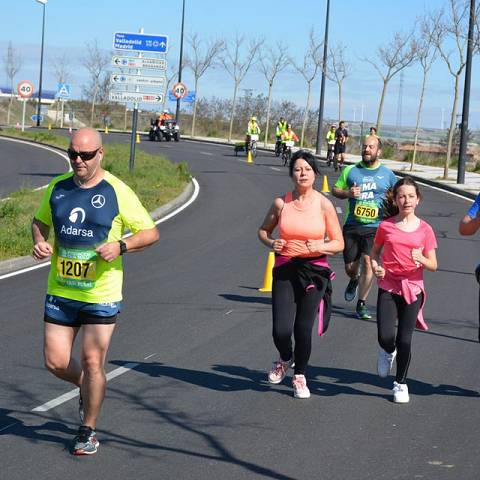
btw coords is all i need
(25, 89)
(179, 90)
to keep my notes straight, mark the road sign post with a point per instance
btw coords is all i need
(25, 89)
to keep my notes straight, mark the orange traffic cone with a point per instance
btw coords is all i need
(325, 188)
(106, 130)
(249, 157)
(267, 277)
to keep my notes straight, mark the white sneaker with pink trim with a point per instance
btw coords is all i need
(279, 370)
(300, 389)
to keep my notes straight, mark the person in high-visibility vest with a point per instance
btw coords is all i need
(331, 144)
(252, 129)
(281, 127)
(288, 135)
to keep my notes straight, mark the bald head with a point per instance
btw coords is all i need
(86, 140)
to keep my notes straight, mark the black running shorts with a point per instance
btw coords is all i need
(358, 241)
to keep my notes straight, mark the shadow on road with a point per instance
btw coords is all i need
(245, 298)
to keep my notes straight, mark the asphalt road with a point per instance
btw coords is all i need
(28, 166)
(195, 335)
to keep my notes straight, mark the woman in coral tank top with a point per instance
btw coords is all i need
(404, 246)
(308, 231)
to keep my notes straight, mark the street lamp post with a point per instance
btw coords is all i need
(322, 88)
(43, 2)
(177, 113)
(466, 98)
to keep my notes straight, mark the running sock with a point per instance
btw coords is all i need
(360, 303)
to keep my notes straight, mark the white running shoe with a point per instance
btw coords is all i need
(400, 393)
(385, 362)
(279, 370)
(300, 389)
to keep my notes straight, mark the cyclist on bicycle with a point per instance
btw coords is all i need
(331, 144)
(252, 129)
(288, 136)
(281, 127)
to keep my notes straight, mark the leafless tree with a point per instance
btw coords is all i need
(426, 54)
(199, 61)
(95, 62)
(271, 64)
(61, 68)
(312, 64)
(337, 70)
(453, 30)
(238, 65)
(394, 57)
(12, 62)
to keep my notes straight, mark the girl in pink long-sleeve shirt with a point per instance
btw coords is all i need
(404, 246)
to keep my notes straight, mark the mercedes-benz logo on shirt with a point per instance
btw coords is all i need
(98, 201)
(73, 217)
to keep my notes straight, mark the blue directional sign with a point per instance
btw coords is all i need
(189, 98)
(35, 117)
(64, 91)
(139, 42)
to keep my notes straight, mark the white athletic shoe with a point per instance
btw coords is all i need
(279, 370)
(385, 362)
(400, 393)
(300, 389)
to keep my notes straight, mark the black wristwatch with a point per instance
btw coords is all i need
(123, 247)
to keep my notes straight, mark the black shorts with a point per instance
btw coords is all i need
(358, 242)
(339, 148)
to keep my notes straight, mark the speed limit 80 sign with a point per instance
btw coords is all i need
(179, 90)
(25, 89)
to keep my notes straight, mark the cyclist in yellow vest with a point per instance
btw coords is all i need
(252, 129)
(331, 144)
(281, 127)
(288, 135)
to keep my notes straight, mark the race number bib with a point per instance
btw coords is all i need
(77, 268)
(365, 213)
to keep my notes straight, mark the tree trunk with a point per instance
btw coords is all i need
(417, 126)
(380, 107)
(234, 103)
(93, 105)
(194, 115)
(339, 102)
(268, 113)
(451, 131)
(305, 115)
(9, 109)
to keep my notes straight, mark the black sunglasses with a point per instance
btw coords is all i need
(72, 154)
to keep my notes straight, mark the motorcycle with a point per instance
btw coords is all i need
(169, 129)
(154, 133)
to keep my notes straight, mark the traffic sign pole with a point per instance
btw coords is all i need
(23, 114)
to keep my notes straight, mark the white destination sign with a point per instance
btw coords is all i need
(136, 97)
(139, 80)
(139, 62)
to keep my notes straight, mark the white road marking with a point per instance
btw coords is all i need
(161, 220)
(74, 393)
(206, 153)
(149, 356)
(276, 169)
(228, 313)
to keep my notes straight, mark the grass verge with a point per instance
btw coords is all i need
(155, 180)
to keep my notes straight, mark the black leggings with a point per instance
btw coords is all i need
(390, 307)
(294, 311)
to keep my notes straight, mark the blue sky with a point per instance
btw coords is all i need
(359, 24)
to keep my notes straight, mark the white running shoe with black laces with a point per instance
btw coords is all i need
(385, 362)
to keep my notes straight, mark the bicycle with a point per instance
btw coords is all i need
(278, 147)
(330, 155)
(287, 151)
(252, 145)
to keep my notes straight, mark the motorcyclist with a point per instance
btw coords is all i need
(165, 115)
(281, 127)
(331, 144)
(252, 129)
